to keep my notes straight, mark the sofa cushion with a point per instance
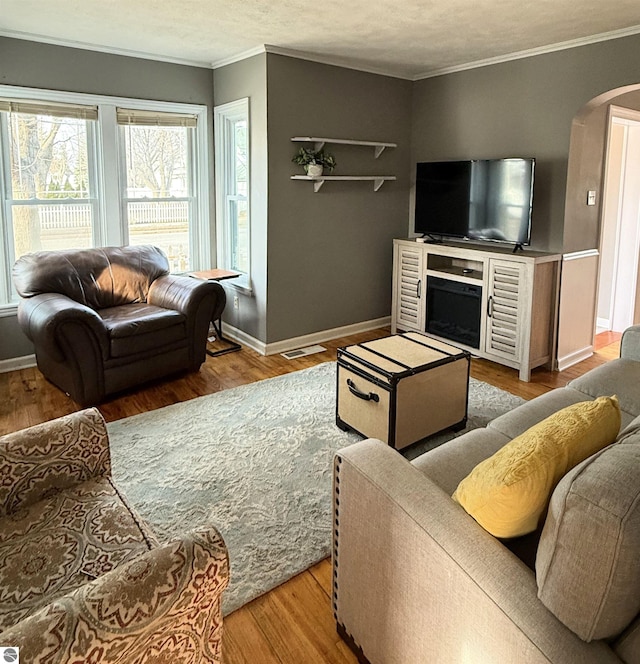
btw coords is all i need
(620, 377)
(448, 464)
(507, 493)
(60, 543)
(588, 567)
(518, 420)
(135, 328)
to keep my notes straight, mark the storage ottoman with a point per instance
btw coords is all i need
(402, 388)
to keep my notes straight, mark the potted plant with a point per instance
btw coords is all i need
(314, 161)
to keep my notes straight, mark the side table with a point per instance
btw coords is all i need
(218, 275)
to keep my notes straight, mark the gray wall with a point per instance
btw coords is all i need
(248, 78)
(330, 253)
(34, 65)
(524, 108)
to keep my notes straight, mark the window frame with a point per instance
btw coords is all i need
(225, 116)
(110, 226)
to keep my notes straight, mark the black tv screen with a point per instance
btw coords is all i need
(482, 199)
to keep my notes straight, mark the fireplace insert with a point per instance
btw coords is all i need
(453, 310)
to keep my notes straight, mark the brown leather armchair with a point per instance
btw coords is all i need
(103, 320)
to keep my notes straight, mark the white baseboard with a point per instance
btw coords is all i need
(603, 323)
(305, 340)
(243, 338)
(575, 357)
(16, 363)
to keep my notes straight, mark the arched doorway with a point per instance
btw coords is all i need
(578, 307)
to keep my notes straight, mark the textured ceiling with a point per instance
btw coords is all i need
(408, 38)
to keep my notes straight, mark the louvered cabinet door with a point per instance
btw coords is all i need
(505, 308)
(409, 284)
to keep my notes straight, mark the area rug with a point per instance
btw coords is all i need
(256, 462)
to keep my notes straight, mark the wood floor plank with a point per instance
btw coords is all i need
(292, 624)
(322, 572)
(244, 642)
(295, 619)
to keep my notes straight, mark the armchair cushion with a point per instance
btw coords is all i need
(134, 328)
(61, 543)
(97, 278)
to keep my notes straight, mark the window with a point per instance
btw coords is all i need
(80, 171)
(233, 187)
(50, 201)
(158, 187)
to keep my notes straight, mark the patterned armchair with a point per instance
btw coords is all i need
(82, 578)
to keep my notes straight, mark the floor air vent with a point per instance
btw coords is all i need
(301, 352)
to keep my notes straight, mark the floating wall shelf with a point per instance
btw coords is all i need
(377, 180)
(377, 146)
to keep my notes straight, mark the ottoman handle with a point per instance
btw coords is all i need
(372, 396)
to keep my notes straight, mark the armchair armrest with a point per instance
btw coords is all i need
(630, 344)
(167, 601)
(52, 456)
(416, 579)
(42, 317)
(186, 295)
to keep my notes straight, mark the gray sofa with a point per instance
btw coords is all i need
(417, 580)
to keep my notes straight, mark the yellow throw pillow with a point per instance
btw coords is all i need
(509, 492)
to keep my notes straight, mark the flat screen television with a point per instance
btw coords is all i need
(480, 199)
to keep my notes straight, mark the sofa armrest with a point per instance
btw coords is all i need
(166, 602)
(52, 456)
(186, 295)
(416, 579)
(43, 318)
(630, 343)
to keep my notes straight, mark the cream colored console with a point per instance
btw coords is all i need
(518, 300)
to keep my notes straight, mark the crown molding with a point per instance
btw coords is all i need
(531, 52)
(238, 57)
(336, 61)
(129, 53)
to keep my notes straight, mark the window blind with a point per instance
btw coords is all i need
(55, 109)
(127, 116)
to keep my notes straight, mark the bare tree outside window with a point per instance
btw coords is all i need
(158, 190)
(49, 162)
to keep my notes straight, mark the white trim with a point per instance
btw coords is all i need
(223, 116)
(577, 255)
(603, 323)
(326, 335)
(532, 52)
(238, 57)
(575, 357)
(7, 310)
(328, 59)
(243, 338)
(17, 363)
(62, 96)
(111, 50)
(306, 340)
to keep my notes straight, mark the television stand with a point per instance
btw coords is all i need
(517, 247)
(518, 294)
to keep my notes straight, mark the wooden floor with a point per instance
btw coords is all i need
(293, 623)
